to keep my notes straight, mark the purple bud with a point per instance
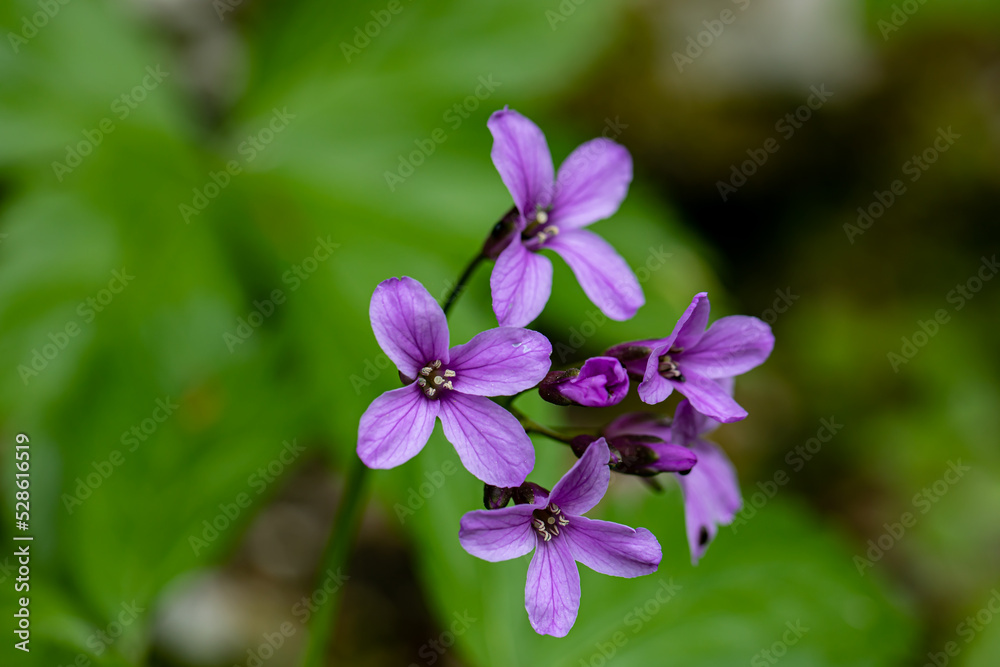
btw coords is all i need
(601, 382)
(642, 455)
(527, 493)
(495, 497)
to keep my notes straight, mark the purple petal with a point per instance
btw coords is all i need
(611, 548)
(586, 482)
(552, 591)
(708, 398)
(409, 325)
(673, 458)
(689, 424)
(602, 382)
(711, 496)
(691, 325)
(521, 284)
(640, 423)
(500, 362)
(497, 535)
(522, 157)
(655, 388)
(602, 273)
(731, 346)
(490, 442)
(591, 185)
(395, 427)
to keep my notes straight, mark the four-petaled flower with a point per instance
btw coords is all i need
(553, 211)
(711, 490)
(554, 527)
(450, 384)
(690, 359)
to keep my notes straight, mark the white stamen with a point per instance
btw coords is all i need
(422, 382)
(438, 380)
(436, 364)
(447, 385)
(449, 373)
(430, 391)
(426, 370)
(542, 217)
(551, 230)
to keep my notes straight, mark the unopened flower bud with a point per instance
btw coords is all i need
(495, 497)
(501, 235)
(601, 382)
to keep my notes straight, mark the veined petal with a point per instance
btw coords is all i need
(691, 325)
(602, 273)
(552, 591)
(708, 398)
(522, 157)
(611, 548)
(500, 362)
(591, 184)
(409, 325)
(689, 424)
(586, 482)
(521, 283)
(489, 440)
(496, 535)
(601, 382)
(395, 427)
(655, 388)
(711, 496)
(732, 345)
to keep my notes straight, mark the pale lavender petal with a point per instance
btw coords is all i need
(409, 325)
(489, 440)
(521, 284)
(708, 398)
(586, 482)
(500, 362)
(602, 382)
(552, 591)
(395, 427)
(497, 535)
(611, 548)
(522, 157)
(711, 496)
(689, 424)
(640, 423)
(591, 185)
(732, 345)
(655, 388)
(602, 273)
(691, 325)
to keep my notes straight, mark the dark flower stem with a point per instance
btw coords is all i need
(460, 285)
(531, 426)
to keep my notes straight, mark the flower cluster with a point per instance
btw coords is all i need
(457, 384)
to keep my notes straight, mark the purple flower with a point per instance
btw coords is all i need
(553, 211)
(691, 358)
(602, 381)
(642, 454)
(450, 384)
(711, 490)
(553, 526)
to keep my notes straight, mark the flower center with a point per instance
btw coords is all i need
(668, 367)
(548, 520)
(435, 380)
(538, 230)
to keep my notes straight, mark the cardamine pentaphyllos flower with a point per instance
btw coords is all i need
(711, 490)
(690, 359)
(600, 382)
(553, 211)
(561, 537)
(451, 385)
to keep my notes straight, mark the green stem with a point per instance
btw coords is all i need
(335, 560)
(460, 285)
(531, 426)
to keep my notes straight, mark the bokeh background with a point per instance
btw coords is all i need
(213, 153)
